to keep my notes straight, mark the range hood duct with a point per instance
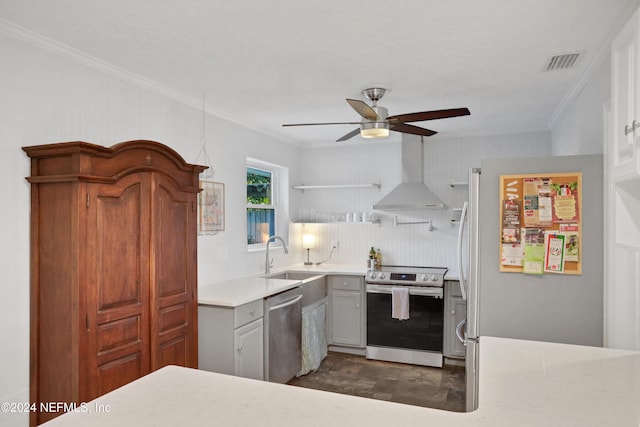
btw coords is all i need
(411, 193)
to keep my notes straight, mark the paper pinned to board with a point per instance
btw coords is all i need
(513, 253)
(533, 251)
(554, 250)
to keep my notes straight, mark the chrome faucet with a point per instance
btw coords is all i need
(267, 263)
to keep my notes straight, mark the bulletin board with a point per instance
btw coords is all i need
(541, 223)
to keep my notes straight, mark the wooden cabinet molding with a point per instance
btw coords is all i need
(85, 162)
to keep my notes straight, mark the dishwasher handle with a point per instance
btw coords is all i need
(286, 303)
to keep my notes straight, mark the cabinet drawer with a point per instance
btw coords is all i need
(247, 313)
(349, 283)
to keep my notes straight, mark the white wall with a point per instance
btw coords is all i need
(445, 159)
(48, 99)
(579, 129)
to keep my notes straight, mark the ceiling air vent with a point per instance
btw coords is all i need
(562, 62)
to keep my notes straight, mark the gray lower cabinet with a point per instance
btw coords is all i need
(249, 355)
(347, 311)
(231, 340)
(455, 312)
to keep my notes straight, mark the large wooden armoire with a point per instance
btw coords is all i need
(113, 267)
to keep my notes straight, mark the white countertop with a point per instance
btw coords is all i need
(452, 275)
(522, 383)
(235, 292)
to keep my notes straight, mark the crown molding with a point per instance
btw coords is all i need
(79, 57)
(601, 54)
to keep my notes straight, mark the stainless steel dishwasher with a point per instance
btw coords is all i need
(283, 335)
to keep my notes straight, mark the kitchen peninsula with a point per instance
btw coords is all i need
(237, 316)
(523, 383)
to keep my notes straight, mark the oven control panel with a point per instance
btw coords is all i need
(424, 278)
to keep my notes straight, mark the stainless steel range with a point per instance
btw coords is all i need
(405, 314)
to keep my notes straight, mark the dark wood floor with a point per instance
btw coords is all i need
(440, 388)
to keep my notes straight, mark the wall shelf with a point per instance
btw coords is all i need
(456, 213)
(453, 183)
(374, 221)
(332, 186)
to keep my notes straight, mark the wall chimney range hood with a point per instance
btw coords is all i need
(411, 193)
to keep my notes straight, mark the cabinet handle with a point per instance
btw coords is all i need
(453, 312)
(631, 129)
(239, 349)
(459, 334)
(252, 313)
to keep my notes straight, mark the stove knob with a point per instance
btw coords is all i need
(372, 275)
(424, 278)
(434, 278)
(382, 276)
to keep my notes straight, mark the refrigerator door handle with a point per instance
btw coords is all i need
(463, 217)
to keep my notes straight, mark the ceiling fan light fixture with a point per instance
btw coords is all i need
(374, 130)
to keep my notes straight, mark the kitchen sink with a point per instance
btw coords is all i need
(314, 285)
(292, 275)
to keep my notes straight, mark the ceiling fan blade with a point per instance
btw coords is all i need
(429, 115)
(415, 130)
(319, 124)
(363, 109)
(350, 135)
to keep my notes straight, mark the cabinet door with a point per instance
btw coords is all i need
(249, 350)
(625, 101)
(117, 286)
(346, 318)
(173, 276)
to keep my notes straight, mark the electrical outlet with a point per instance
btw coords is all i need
(335, 244)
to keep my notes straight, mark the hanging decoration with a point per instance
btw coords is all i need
(211, 198)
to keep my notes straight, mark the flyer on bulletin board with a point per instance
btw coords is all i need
(537, 202)
(513, 253)
(533, 251)
(565, 202)
(511, 221)
(554, 250)
(571, 243)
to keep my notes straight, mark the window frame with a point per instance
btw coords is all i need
(277, 207)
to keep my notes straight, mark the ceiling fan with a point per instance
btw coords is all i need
(376, 122)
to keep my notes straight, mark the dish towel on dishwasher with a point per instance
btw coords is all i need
(400, 303)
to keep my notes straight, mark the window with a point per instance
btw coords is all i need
(260, 207)
(266, 202)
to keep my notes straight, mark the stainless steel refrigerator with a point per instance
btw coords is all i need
(549, 307)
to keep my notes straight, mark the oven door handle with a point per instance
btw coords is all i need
(426, 292)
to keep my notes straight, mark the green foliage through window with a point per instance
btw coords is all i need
(258, 187)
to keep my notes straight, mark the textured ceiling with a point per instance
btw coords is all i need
(267, 62)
